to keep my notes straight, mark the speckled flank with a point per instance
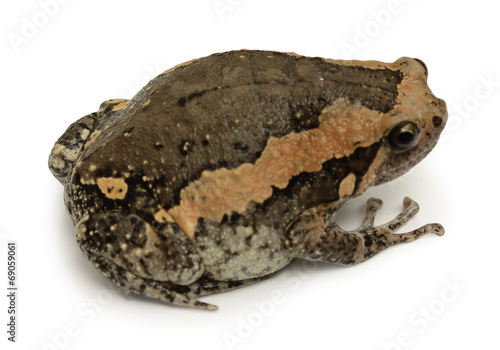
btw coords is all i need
(222, 170)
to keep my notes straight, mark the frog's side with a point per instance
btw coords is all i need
(221, 171)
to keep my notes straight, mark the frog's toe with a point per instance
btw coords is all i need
(372, 206)
(434, 228)
(410, 209)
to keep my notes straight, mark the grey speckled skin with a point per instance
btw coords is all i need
(221, 171)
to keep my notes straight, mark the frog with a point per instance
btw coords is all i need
(223, 170)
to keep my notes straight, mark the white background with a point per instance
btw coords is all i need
(62, 59)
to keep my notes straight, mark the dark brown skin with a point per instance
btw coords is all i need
(222, 170)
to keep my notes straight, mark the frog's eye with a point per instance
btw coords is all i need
(403, 136)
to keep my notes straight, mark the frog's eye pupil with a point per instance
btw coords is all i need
(403, 136)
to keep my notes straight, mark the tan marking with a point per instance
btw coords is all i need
(92, 167)
(380, 158)
(163, 216)
(120, 105)
(113, 188)
(92, 138)
(344, 126)
(146, 103)
(85, 179)
(85, 133)
(346, 187)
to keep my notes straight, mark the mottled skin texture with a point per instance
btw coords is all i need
(222, 170)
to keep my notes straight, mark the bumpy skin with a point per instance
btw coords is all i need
(222, 170)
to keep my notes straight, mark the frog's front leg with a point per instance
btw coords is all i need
(315, 236)
(157, 262)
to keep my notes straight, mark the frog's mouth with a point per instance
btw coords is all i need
(398, 164)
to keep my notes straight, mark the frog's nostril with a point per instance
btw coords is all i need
(437, 121)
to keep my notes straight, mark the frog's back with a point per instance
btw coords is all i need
(220, 111)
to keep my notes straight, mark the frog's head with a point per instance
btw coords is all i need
(414, 126)
(402, 132)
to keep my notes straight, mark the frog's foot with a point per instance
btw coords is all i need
(314, 236)
(377, 238)
(162, 290)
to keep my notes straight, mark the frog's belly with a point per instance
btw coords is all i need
(242, 252)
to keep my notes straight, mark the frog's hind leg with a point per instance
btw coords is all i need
(315, 236)
(68, 146)
(154, 260)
